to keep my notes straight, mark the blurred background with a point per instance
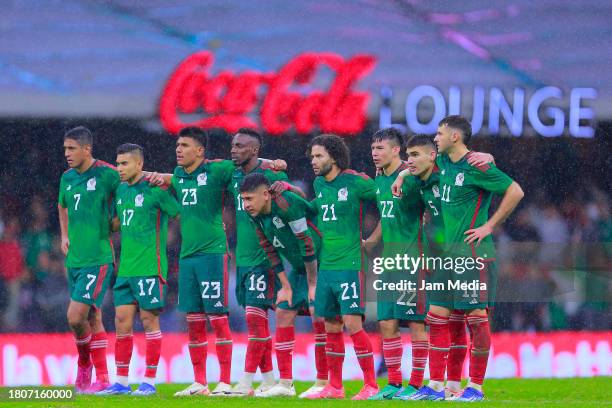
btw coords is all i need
(532, 76)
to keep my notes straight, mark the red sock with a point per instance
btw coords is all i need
(265, 365)
(419, 361)
(84, 349)
(363, 350)
(334, 350)
(257, 322)
(153, 344)
(285, 342)
(198, 345)
(458, 345)
(123, 353)
(98, 346)
(439, 344)
(479, 350)
(320, 358)
(223, 345)
(392, 353)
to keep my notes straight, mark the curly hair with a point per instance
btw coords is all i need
(335, 147)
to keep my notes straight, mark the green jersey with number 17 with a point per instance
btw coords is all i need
(339, 207)
(88, 198)
(200, 195)
(143, 212)
(248, 250)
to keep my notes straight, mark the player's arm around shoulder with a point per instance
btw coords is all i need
(166, 201)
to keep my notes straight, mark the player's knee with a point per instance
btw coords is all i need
(285, 318)
(353, 325)
(149, 322)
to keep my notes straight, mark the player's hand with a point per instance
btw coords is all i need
(156, 179)
(65, 245)
(278, 187)
(285, 294)
(480, 159)
(478, 234)
(279, 165)
(311, 293)
(396, 187)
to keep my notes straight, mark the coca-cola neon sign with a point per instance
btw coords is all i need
(231, 100)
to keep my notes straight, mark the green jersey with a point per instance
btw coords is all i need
(466, 192)
(401, 218)
(200, 195)
(288, 232)
(143, 212)
(248, 251)
(88, 197)
(339, 207)
(430, 196)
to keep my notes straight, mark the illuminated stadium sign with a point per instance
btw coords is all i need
(544, 113)
(297, 98)
(231, 101)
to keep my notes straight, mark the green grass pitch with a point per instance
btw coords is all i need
(573, 392)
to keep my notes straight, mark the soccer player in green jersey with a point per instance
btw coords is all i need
(84, 206)
(200, 187)
(283, 227)
(256, 282)
(421, 153)
(400, 228)
(339, 197)
(465, 194)
(142, 213)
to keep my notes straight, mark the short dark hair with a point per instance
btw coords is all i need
(391, 134)
(196, 133)
(252, 133)
(253, 181)
(336, 148)
(459, 123)
(81, 135)
(420, 140)
(131, 148)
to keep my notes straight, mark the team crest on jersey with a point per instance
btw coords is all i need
(278, 223)
(91, 184)
(459, 179)
(202, 179)
(343, 194)
(139, 200)
(436, 191)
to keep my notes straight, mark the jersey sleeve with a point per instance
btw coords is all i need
(366, 188)
(491, 178)
(167, 203)
(410, 187)
(226, 170)
(269, 250)
(273, 176)
(61, 197)
(295, 216)
(112, 180)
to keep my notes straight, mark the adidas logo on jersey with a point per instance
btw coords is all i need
(261, 296)
(218, 304)
(354, 305)
(119, 202)
(378, 191)
(154, 300)
(68, 188)
(410, 311)
(473, 301)
(86, 296)
(181, 181)
(320, 195)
